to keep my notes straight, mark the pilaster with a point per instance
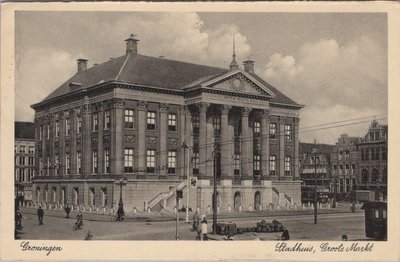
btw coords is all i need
(203, 107)
(141, 151)
(163, 153)
(265, 120)
(246, 156)
(226, 144)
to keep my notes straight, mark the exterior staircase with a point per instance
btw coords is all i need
(166, 199)
(282, 198)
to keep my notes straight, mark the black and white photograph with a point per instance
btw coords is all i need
(201, 125)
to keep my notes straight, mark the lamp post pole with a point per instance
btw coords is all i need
(186, 169)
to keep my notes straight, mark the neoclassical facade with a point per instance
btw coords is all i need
(142, 124)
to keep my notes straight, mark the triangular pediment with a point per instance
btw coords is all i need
(238, 81)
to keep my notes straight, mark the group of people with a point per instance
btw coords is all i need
(200, 225)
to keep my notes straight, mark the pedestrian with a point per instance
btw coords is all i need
(285, 234)
(79, 219)
(67, 211)
(196, 220)
(204, 227)
(40, 214)
(18, 219)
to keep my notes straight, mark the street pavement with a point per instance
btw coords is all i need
(301, 227)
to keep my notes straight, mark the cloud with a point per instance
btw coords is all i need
(334, 81)
(45, 62)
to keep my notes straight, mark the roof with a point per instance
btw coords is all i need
(24, 130)
(151, 71)
(307, 148)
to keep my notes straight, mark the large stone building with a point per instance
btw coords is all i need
(24, 161)
(128, 118)
(344, 164)
(372, 151)
(315, 168)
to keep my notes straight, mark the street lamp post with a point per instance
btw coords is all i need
(186, 169)
(216, 156)
(121, 182)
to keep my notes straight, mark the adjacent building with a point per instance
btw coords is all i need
(143, 125)
(24, 161)
(315, 170)
(344, 164)
(372, 153)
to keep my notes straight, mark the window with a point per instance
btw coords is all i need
(48, 131)
(22, 160)
(287, 165)
(76, 196)
(172, 122)
(151, 161)
(195, 162)
(217, 125)
(151, 120)
(288, 132)
(67, 127)
(272, 130)
(30, 161)
(94, 162)
(22, 149)
(107, 160)
(53, 194)
(67, 163)
(196, 124)
(128, 160)
(236, 164)
(107, 121)
(95, 122)
(78, 124)
(40, 132)
(372, 153)
(79, 162)
(257, 128)
(31, 150)
(171, 162)
(377, 153)
(128, 118)
(272, 165)
(56, 163)
(256, 165)
(104, 196)
(57, 128)
(384, 155)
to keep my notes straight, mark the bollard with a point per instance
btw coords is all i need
(240, 208)
(270, 206)
(175, 210)
(295, 206)
(229, 208)
(149, 210)
(218, 209)
(260, 208)
(250, 208)
(208, 209)
(198, 209)
(134, 210)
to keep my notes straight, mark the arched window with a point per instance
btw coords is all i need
(237, 201)
(364, 176)
(375, 175)
(257, 200)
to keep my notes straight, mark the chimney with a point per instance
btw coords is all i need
(249, 66)
(131, 44)
(82, 64)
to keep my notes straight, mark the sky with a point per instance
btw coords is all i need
(335, 64)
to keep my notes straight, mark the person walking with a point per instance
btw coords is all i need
(40, 214)
(196, 220)
(204, 228)
(67, 211)
(18, 219)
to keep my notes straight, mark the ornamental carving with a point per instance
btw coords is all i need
(296, 120)
(225, 109)
(142, 106)
(94, 140)
(106, 139)
(56, 144)
(288, 148)
(118, 103)
(274, 148)
(203, 106)
(163, 108)
(67, 142)
(184, 110)
(86, 100)
(246, 111)
(173, 141)
(151, 140)
(266, 113)
(78, 140)
(130, 139)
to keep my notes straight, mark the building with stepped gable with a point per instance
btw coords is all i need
(140, 123)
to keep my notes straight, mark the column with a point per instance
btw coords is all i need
(44, 148)
(100, 150)
(117, 137)
(163, 153)
(265, 119)
(86, 140)
(203, 139)
(281, 146)
(246, 156)
(296, 140)
(226, 142)
(72, 141)
(182, 158)
(141, 150)
(52, 144)
(61, 144)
